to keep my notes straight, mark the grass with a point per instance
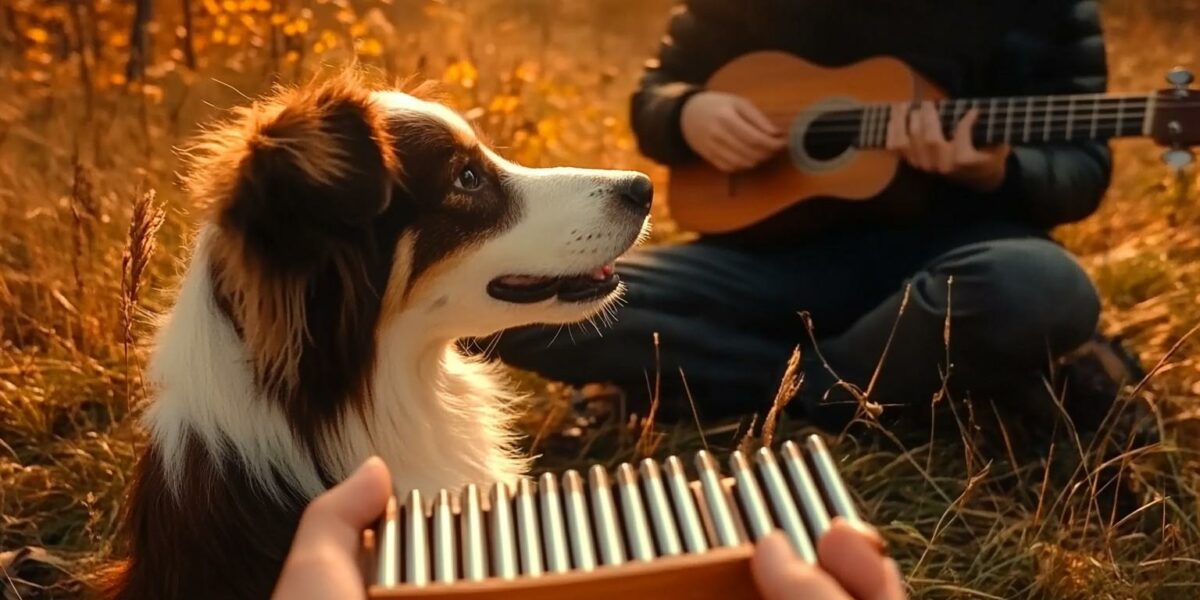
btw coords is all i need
(93, 227)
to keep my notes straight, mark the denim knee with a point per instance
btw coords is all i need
(1022, 295)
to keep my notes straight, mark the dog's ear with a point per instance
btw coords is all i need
(299, 170)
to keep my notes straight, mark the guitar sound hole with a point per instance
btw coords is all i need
(831, 134)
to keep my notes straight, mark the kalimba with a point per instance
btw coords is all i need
(648, 532)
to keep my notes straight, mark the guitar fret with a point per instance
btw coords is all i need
(1095, 117)
(1049, 113)
(991, 119)
(1120, 117)
(958, 112)
(1070, 116)
(863, 118)
(1148, 118)
(1008, 120)
(1028, 117)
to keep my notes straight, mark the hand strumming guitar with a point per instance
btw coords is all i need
(728, 131)
(732, 134)
(916, 133)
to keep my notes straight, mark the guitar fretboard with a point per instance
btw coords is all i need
(1015, 120)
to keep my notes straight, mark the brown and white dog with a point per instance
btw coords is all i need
(353, 236)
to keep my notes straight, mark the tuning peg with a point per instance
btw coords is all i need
(1180, 77)
(1178, 158)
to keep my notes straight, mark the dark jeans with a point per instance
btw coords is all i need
(728, 318)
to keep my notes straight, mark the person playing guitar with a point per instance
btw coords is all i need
(953, 279)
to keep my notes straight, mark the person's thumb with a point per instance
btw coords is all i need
(339, 515)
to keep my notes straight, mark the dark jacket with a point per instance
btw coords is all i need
(971, 48)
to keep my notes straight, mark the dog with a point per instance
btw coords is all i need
(352, 236)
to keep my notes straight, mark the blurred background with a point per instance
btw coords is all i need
(98, 96)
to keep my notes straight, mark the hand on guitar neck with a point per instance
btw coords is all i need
(919, 139)
(733, 134)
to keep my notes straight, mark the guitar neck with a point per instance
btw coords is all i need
(1022, 120)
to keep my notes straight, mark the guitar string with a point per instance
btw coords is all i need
(1081, 126)
(844, 117)
(1017, 102)
(1038, 116)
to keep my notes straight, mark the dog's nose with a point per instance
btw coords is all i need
(637, 192)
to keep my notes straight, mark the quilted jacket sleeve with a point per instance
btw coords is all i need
(1049, 185)
(702, 35)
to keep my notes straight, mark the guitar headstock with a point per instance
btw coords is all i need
(1177, 118)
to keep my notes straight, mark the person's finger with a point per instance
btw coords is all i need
(749, 135)
(779, 575)
(964, 145)
(852, 555)
(931, 124)
(919, 150)
(897, 133)
(753, 115)
(338, 516)
(733, 144)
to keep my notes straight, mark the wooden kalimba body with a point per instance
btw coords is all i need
(651, 533)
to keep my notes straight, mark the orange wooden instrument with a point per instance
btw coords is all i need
(647, 531)
(836, 123)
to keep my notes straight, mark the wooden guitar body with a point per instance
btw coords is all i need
(786, 88)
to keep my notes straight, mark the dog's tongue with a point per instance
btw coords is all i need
(522, 280)
(603, 273)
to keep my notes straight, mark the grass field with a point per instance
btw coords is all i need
(93, 227)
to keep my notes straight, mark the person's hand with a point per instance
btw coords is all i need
(728, 131)
(916, 133)
(323, 562)
(853, 567)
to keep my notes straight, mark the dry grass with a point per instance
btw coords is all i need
(966, 516)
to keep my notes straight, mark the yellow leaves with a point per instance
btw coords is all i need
(504, 104)
(218, 36)
(211, 7)
(229, 6)
(526, 71)
(38, 56)
(37, 35)
(461, 72)
(368, 47)
(346, 17)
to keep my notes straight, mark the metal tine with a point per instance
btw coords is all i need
(416, 541)
(785, 508)
(714, 495)
(387, 542)
(754, 506)
(583, 550)
(445, 558)
(812, 506)
(689, 518)
(637, 528)
(528, 535)
(831, 480)
(608, 532)
(504, 555)
(665, 530)
(557, 558)
(474, 556)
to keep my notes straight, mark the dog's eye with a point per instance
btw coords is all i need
(468, 179)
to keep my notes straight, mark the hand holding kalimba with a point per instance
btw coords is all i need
(645, 530)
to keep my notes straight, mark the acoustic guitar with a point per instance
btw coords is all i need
(836, 126)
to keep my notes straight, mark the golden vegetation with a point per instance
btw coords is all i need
(93, 225)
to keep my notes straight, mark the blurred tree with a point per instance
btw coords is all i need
(139, 41)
